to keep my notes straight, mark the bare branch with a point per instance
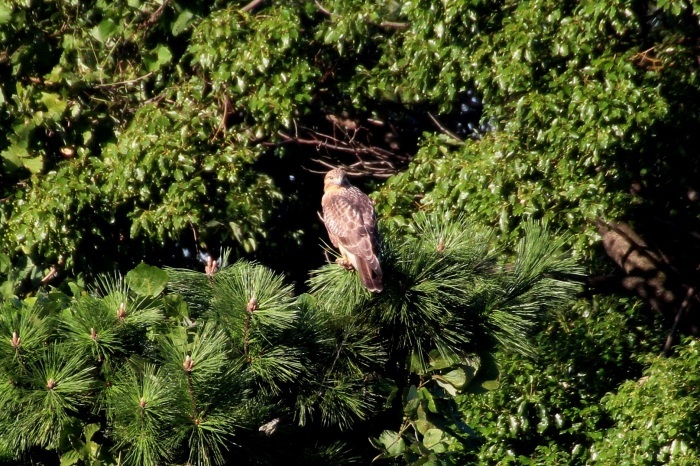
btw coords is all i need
(324, 163)
(444, 130)
(53, 273)
(338, 145)
(226, 111)
(124, 83)
(383, 24)
(252, 5)
(393, 25)
(322, 9)
(350, 142)
(674, 329)
(154, 17)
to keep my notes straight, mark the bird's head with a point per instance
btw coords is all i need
(336, 177)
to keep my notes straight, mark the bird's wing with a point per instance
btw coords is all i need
(349, 217)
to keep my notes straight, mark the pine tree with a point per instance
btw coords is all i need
(229, 367)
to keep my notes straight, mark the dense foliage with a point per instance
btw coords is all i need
(594, 105)
(208, 375)
(655, 418)
(594, 109)
(112, 141)
(549, 410)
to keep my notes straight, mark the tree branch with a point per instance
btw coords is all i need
(322, 9)
(674, 329)
(383, 24)
(252, 5)
(154, 17)
(394, 25)
(126, 82)
(443, 129)
(372, 160)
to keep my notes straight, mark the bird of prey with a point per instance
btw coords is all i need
(352, 227)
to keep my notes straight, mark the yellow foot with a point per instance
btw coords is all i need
(343, 262)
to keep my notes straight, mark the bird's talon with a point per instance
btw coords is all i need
(343, 262)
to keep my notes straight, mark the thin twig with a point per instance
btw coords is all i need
(155, 16)
(351, 138)
(155, 100)
(252, 5)
(222, 124)
(341, 146)
(324, 163)
(323, 10)
(443, 129)
(674, 329)
(128, 81)
(53, 272)
(354, 169)
(393, 25)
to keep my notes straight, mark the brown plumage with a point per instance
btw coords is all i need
(352, 227)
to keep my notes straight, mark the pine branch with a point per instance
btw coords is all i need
(194, 286)
(91, 327)
(340, 402)
(445, 291)
(145, 406)
(209, 438)
(233, 292)
(204, 359)
(23, 331)
(529, 291)
(59, 385)
(538, 256)
(338, 290)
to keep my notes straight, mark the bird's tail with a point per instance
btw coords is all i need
(371, 279)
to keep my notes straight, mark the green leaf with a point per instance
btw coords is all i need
(422, 424)
(427, 396)
(449, 388)
(13, 156)
(164, 55)
(54, 105)
(33, 164)
(147, 280)
(457, 378)
(90, 430)
(182, 22)
(433, 440)
(104, 30)
(70, 457)
(490, 384)
(5, 263)
(392, 443)
(437, 361)
(5, 12)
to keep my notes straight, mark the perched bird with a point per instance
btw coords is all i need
(352, 227)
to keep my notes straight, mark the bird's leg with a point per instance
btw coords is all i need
(346, 264)
(344, 261)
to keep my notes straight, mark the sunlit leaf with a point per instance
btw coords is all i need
(147, 280)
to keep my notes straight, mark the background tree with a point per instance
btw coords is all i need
(594, 112)
(161, 126)
(187, 123)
